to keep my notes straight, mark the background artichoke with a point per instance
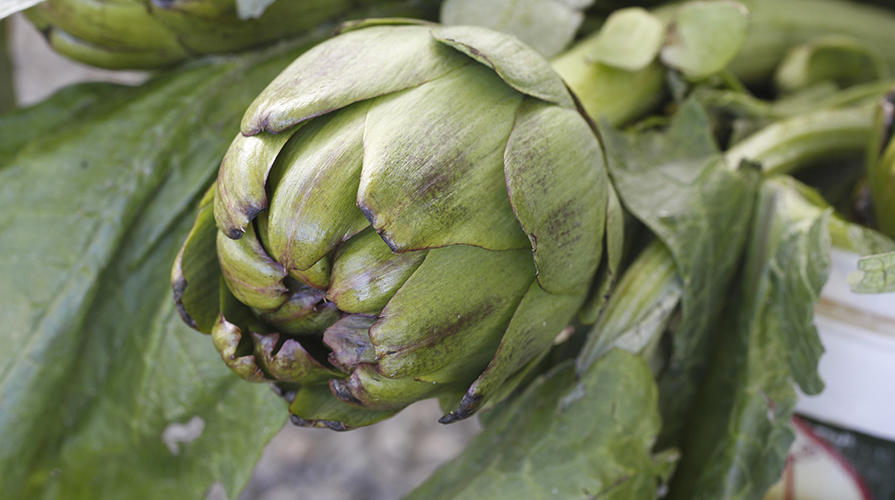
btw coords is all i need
(143, 34)
(410, 211)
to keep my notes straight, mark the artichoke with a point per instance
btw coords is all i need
(410, 211)
(145, 34)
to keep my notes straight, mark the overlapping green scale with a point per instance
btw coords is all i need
(150, 34)
(350, 342)
(380, 268)
(537, 322)
(227, 339)
(448, 318)
(250, 274)
(312, 85)
(314, 187)
(307, 312)
(118, 23)
(315, 406)
(241, 195)
(196, 273)
(443, 184)
(287, 361)
(558, 185)
(367, 389)
(366, 273)
(514, 62)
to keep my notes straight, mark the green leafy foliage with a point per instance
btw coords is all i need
(739, 434)
(565, 438)
(84, 102)
(104, 393)
(639, 309)
(881, 165)
(777, 26)
(100, 185)
(676, 182)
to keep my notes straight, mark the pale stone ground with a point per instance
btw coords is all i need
(382, 462)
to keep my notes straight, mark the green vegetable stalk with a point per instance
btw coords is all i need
(881, 165)
(639, 310)
(876, 273)
(787, 145)
(7, 87)
(606, 92)
(410, 211)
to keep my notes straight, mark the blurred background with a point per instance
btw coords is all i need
(298, 463)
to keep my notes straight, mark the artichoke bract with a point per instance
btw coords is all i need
(410, 211)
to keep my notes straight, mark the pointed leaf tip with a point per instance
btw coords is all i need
(467, 408)
(240, 195)
(520, 66)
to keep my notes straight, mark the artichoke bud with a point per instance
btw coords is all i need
(410, 211)
(147, 34)
(307, 312)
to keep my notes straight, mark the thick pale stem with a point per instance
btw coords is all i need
(779, 25)
(881, 166)
(787, 145)
(639, 309)
(608, 93)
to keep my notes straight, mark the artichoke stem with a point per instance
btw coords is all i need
(606, 93)
(788, 145)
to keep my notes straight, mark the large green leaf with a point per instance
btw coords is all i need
(675, 181)
(95, 366)
(739, 434)
(565, 438)
(86, 102)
